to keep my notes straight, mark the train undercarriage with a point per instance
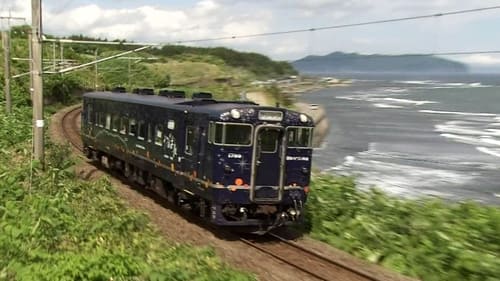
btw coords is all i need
(257, 218)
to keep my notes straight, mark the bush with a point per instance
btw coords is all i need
(61, 88)
(426, 238)
(56, 227)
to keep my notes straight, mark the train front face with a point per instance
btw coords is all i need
(261, 159)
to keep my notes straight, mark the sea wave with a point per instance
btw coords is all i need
(386, 170)
(384, 105)
(490, 151)
(395, 90)
(433, 84)
(408, 101)
(418, 82)
(459, 113)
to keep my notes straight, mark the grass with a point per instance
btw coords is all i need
(55, 226)
(425, 238)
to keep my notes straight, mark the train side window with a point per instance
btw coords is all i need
(115, 123)
(132, 127)
(190, 141)
(101, 119)
(90, 110)
(158, 135)
(123, 125)
(171, 124)
(108, 121)
(149, 133)
(141, 131)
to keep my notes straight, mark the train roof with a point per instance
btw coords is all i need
(210, 107)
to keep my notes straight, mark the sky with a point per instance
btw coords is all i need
(174, 20)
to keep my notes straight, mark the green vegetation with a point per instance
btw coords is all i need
(224, 72)
(426, 238)
(256, 63)
(55, 226)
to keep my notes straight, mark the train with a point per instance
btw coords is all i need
(235, 164)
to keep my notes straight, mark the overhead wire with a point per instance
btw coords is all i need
(274, 33)
(339, 26)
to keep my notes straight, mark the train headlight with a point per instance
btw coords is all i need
(235, 114)
(303, 118)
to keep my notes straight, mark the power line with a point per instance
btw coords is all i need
(337, 26)
(312, 29)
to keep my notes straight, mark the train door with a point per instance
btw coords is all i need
(201, 155)
(268, 164)
(194, 150)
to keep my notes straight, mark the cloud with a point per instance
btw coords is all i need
(205, 7)
(482, 59)
(161, 21)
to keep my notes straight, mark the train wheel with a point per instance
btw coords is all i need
(95, 156)
(127, 171)
(87, 152)
(140, 177)
(172, 196)
(105, 161)
(159, 187)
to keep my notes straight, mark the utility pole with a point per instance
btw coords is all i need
(128, 77)
(53, 56)
(36, 74)
(96, 73)
(61, 50)
(6, 55)
(6, 52)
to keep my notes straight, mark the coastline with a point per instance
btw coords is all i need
(427, 142)
(301, 86)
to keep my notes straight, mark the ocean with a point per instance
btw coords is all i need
(415, 136)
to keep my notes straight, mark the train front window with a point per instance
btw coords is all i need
(299, 137)
(269, 140)
(236, 134)
(231, 134)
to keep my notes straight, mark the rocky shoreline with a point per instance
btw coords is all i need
(301, 86)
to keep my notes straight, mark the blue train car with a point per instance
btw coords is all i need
(234, 163)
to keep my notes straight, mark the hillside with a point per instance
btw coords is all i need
(223, 71)
(339, 62)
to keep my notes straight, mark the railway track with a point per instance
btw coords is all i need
(70, 126)
(317, 266)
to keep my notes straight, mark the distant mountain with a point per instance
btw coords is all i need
(355, 63)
